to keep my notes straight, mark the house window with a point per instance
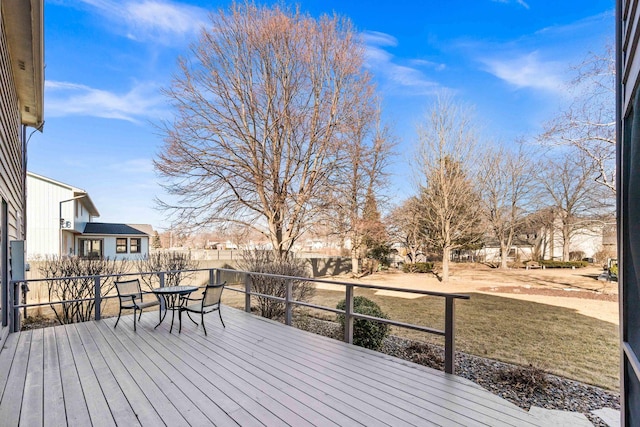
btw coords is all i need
(135, 246)
(90, 248)
(121, 246)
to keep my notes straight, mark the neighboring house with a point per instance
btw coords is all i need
(60, 221)
(21, 106)
(56, 214)
(120, 241)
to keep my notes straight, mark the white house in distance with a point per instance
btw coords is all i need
(60, 222)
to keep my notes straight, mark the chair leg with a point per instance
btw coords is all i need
(202, 321)
(119, 312)
(180, 321)
(220, 314)
(134, 320)
(191, 318)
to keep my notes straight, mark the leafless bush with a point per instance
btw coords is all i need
(71, 278)
(265, 262)
(174, 264)
(528, 379)
(426, 355)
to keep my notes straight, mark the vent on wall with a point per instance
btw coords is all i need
(21, 65)
(26, 109)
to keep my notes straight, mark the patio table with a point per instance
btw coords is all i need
(172, 299)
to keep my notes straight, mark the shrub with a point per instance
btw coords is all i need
(173, 264)
(64, 283)
(576, 255)
(265, 262)
(366, 333)
(564, 264)
(418, 267)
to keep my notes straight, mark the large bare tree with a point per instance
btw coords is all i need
(588, 123)
(262, 105)
(444, 165)
(506, 186)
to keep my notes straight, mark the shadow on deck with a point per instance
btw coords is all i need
(253, 372)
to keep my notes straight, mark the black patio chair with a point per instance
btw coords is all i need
(130, 297)
(208, 303)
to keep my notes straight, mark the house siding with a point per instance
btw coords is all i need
(11, 165)
(628, 198)
(43, 219)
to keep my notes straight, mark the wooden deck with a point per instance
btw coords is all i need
(253, 372)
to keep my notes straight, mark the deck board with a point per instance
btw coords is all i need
(54, 412)
(77, 412)
(12, 398)
(98, 407)
(253, 372)
(32, 395)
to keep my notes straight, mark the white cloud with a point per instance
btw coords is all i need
(386, 67)
(379, 39)
(520, 2)
(158, 20)
(527, 71)
(69, 99)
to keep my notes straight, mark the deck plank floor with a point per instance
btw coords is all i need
(254, 372)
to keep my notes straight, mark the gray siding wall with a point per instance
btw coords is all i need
(11, 157)
(628, 191)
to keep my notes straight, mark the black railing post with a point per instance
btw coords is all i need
(449, 336)
(348, 310)
(287, 302)
(14, 301)
(98, 296)
(247, 293)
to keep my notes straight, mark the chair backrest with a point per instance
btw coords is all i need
(212, 294)
(127, 288)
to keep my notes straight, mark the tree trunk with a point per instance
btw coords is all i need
(504, 252)
(446, 255)
(355, 268)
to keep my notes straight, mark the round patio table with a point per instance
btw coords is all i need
(171, 295)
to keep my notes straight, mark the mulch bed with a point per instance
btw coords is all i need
(552, 292)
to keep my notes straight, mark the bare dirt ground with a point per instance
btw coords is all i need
(577, 289)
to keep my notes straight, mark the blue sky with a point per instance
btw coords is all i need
(106, 61)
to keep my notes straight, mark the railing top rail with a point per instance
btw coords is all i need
(228, 270)
(134, 273)
(359, 285)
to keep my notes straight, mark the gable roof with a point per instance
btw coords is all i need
(78, 193)
(111, 228)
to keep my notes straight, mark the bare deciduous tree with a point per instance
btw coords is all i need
(506, 186)
(407, 226)
(448, 201)
(262, 106)
(360, 181)
(589, 122)
(567, 180)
